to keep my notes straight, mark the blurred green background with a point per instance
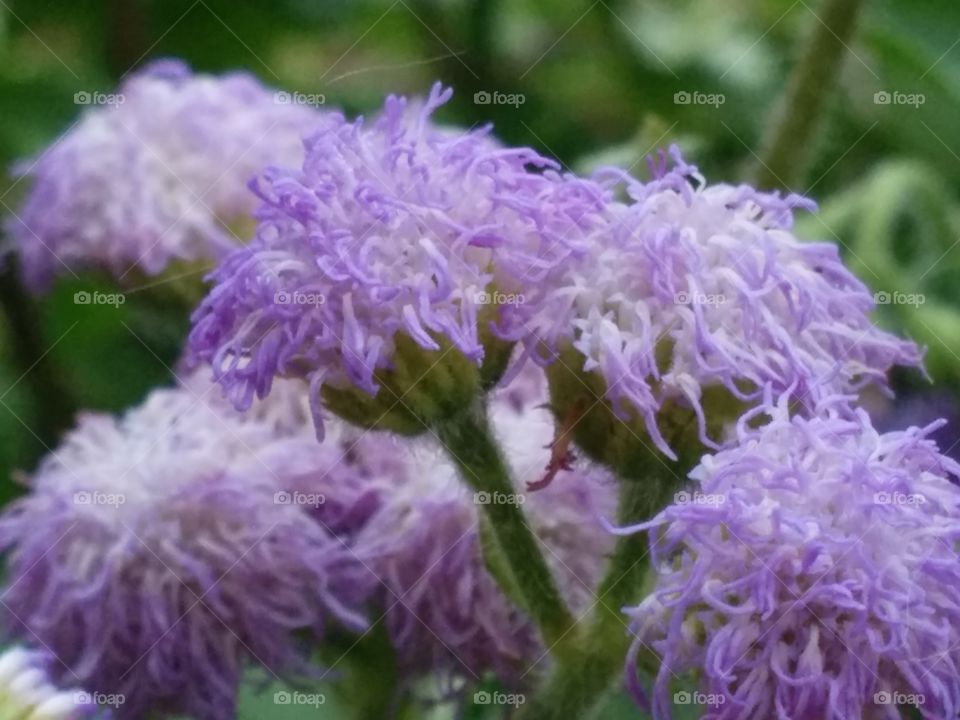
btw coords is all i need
(600, 80)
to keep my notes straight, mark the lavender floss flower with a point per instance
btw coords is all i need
(812, 572)
(684, 304)
(153, 177)
(161, 553)
(372, 269)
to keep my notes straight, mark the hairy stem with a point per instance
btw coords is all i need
(581, 677)
(789, 138)
(469, 442)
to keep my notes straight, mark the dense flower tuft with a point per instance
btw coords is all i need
(687, 286)
(154, 173)
(161, 553)
(394, 227)
(812, 573)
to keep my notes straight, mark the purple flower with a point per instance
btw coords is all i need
(153, 174)
(687, 287)
(812, 573)
(444, 609)
(161, 553)
(392, 228)
(26, 691)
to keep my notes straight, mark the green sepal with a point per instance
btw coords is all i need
(422, 388)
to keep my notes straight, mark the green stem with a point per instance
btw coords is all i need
(629, 562)
(582, 676)
(469, 442)
(368, 680)
(789, 139)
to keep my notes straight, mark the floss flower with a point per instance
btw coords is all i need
(26, 692)
(379, 265)
(444, 608)
(160, 553)
(153, 174)
(688, 289)
(813, 573)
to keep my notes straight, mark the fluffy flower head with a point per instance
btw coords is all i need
(688, 286)
(152, 174)
(160, 553)
(812, 573)
(391, 228)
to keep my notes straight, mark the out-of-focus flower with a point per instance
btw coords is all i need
(444, 608)
(916, 406)
(161, 553)
(26, 692)
(379, 266)
(688, 288)
(154, 173)
(812, 573)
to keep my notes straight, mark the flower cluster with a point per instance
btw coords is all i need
(398, 229)
(822, 583)
(160, 553)
(157, 173)
(397, 269)
(137, 555)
